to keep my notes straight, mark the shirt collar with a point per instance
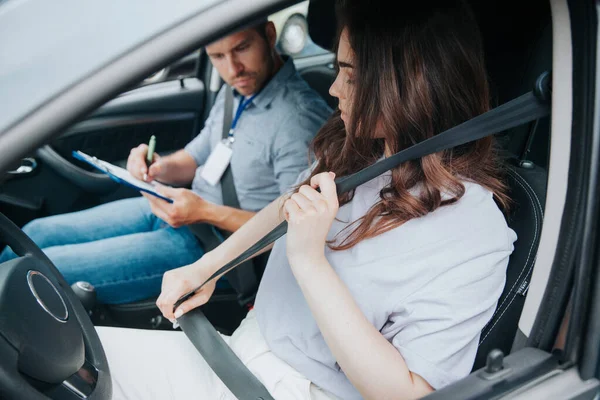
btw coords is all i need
(267, 94)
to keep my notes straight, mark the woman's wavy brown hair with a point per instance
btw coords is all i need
(416, 73)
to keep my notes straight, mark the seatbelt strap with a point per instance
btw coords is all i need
(205, 232)
(228, 367)
(219, 356)
(243, 279)
(227, 187)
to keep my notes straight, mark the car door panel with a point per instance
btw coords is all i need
(40, 193)
(172, 111)
(168, 110)
(505, 379)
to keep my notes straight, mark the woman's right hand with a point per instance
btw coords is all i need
(180, 281)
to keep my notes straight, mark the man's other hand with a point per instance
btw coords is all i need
(187, 207)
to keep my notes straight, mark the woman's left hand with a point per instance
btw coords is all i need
(309, 215)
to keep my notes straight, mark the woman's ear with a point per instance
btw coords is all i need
(271, 33)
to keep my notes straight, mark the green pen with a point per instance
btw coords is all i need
(150, 153)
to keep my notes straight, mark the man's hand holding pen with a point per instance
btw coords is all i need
(139, 164)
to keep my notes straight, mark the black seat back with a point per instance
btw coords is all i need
(322, 29)
(320, 78)
(528, 194)
(321, 23)
(518, 49)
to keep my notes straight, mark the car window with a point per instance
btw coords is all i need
(185, 67)
(293, 38)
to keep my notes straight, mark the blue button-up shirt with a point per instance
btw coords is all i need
(272, 139)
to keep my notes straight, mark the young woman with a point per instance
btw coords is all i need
(381, 293)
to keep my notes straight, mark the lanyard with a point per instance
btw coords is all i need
(241, 107)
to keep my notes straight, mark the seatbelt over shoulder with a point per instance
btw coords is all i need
(227, 186)
(243, 279)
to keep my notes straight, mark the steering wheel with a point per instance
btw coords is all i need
(49, 347)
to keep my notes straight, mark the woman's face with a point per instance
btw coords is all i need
(342, 87)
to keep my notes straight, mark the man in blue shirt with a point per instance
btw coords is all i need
(124, 247)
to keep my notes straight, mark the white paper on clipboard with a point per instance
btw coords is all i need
(120, 175)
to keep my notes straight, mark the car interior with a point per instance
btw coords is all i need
(169, 110)
(518, 45)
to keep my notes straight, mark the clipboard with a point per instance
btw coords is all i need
(120, 175)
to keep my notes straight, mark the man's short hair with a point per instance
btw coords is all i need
(261, 28)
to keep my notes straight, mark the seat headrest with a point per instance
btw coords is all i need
(322, 26)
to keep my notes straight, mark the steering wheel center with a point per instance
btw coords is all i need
(47, 296)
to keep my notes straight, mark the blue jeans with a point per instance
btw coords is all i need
(121, 248)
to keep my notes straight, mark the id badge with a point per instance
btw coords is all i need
(217, 163)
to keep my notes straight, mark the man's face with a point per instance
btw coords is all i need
(244, 59)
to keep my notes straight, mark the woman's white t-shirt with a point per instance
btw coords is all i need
(429, 286)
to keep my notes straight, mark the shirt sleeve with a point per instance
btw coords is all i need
(200, 147)
(291, 146)
(437, 328)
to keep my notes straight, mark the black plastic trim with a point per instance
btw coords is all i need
(110, 122)
(32, 204)
(584, 326)
(519, 368)
(159, 97)
(519, 341)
